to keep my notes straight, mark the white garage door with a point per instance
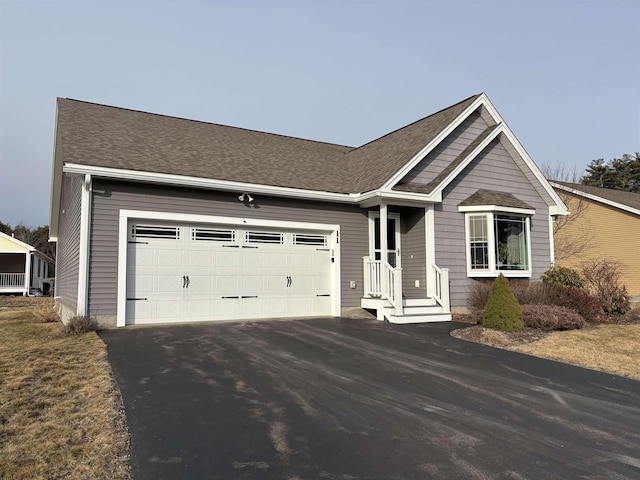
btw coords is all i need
(190, 272)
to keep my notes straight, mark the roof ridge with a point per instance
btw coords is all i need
(417, 121)
(206, 123)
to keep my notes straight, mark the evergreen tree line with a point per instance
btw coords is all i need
(616, 174)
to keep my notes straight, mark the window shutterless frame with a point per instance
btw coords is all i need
(482, 246)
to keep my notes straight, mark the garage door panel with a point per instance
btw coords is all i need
(228, 307)
(142, 284)
(280, 270)
(199, 308)
(253, 259)
(141, 258)
(200, 258)
(253, 284)
(275, 305)
(276, 260)
(199, 284)
(252, 306)
(275, 283)
(227, 258)
(168, 309)
(169, 258)
(169, 283)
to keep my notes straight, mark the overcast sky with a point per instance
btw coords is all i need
(565, 75)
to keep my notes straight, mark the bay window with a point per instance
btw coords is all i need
(498, 242)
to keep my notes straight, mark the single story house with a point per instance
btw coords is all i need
(22, 267)
(161, 219)
(609, 223)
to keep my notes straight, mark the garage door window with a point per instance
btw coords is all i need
(305, 239)
(155, 231)
(264, 237)
(213, 235)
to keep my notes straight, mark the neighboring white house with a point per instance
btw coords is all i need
(22, 267)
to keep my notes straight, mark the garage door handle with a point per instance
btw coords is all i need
(185, 281)
(323, 295)
(288, 281)
(249, 296)
(230, 297)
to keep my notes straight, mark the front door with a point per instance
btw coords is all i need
(392, 255)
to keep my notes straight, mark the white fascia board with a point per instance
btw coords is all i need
(476, 151)
(206, 183)
(431, 145)
(495, 208)
(596, 198)
(405, 199)
(561, 208)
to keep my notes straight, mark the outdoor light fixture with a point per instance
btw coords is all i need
(245, 197)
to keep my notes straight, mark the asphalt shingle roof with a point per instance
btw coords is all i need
(629, 199)
(112, 137)
(491, 197)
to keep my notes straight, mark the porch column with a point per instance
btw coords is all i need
(384, 256)
(27, 272)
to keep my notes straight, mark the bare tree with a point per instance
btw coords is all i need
(572, 233)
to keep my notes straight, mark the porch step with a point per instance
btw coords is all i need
(417, 313)
(415, 310)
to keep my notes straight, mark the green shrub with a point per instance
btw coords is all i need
(563, 277)
(551, 317)
(503, 311)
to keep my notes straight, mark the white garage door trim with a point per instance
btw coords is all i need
(126, 216)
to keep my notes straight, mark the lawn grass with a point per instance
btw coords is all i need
(609, 348)
(61, 413)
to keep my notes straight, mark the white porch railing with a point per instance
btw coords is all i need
(11, 279)
(383, 281)
(441, 287)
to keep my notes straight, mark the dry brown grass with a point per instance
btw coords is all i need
(60, 411)
(609, 348)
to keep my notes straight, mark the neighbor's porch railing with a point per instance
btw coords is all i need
(383, 281)
(11, 279)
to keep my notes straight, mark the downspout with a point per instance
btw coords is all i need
(85, 238)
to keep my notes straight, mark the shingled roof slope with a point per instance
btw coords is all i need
(629, 199)
(372, 164)
(104, 136)
(429, 187)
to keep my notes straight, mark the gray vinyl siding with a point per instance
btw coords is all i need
(110, 197)
(493, 169)
(68, 246)
(413, 252)
(447, 151)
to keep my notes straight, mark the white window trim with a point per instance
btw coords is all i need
(492, 271)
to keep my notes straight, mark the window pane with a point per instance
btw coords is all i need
(511, 243)
(479, 242)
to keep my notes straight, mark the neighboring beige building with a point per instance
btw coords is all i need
(607, 224)
(22, 267)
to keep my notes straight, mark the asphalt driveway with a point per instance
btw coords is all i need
(359, 399)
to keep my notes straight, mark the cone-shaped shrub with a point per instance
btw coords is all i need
(503, 311)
